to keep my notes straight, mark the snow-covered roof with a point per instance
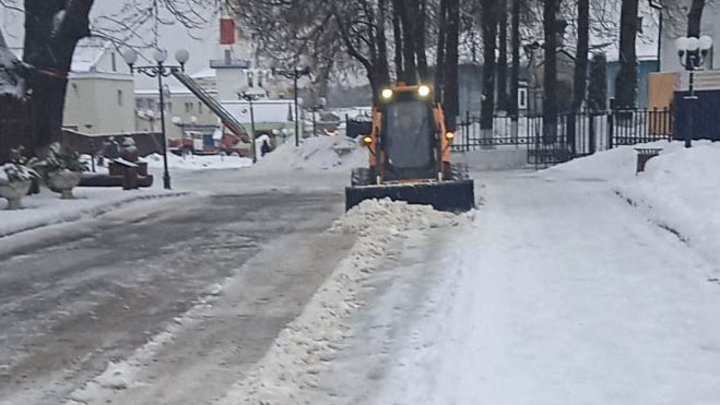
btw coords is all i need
(207, 73)
(87, 57)
(645, 51)
(154, 92)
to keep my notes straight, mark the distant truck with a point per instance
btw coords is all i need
(202, 143)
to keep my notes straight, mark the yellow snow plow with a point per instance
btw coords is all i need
(409, 150)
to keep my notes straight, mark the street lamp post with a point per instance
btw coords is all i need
(320, 105)
(159, 70)
(693, 53)
(244, 93)
(295, 74)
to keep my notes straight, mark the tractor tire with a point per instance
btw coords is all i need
(458, 172)
(361, 176)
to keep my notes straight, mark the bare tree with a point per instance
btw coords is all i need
(550, 82)
(502, 64)
(440, 61)
(420, 39)
(581, 56)
(627, 78)
(450, 97)
(515, 73)
(489, 34)
(53, 29)
(404, 10)
(695, 17)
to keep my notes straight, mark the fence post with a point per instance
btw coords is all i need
(611, 128)
(668, 123)
(571, 132)
(468, 124)
(591, 135)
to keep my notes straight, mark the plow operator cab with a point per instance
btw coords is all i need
(409, 155)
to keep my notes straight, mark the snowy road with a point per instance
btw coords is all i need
(199, 279)
(560, 293)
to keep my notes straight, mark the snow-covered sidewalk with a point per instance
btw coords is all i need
(561, 293)
(48, 209)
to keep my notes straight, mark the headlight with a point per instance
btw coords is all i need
(368, 140)
(450, 136)
(424, 91)
(387, 94)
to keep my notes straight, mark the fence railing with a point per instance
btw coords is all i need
(570, 135)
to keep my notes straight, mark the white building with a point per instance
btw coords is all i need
(675, 26)
(183, 110)
(99, 97)
(100, 90)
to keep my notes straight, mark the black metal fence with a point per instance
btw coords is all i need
(566, 136)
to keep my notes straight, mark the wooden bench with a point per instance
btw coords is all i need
(128, 175)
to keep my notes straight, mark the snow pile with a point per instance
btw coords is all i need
(393, 216)
(208, 162)
(289, 371)
(678, 191)
(321, 153)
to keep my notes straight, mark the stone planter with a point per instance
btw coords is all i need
(14, 192)
(63, 181)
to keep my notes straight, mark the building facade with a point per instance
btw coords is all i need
(675, 26)
(100, 90)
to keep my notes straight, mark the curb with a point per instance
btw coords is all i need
(94, 212)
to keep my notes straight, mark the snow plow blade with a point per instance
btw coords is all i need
(453, 196)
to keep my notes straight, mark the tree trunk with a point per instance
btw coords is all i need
(515, 74)
(451, 96)
(695, 17)
(382, 62)
(597, 89)
(550, 110)
(489, 38)
(581, 58)
(420, 45)
(626, 82)
(397, 36)
(52, 31)
(502, 68)
(440, 61)
(408, 33)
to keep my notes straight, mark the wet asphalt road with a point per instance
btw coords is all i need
(67, 309)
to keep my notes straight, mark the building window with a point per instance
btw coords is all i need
(260, 79)
(113, 61)
(120, 97)
(168, 107)
(139, 104)
(200, 108)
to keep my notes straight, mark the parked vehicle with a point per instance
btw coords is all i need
(202, 143)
